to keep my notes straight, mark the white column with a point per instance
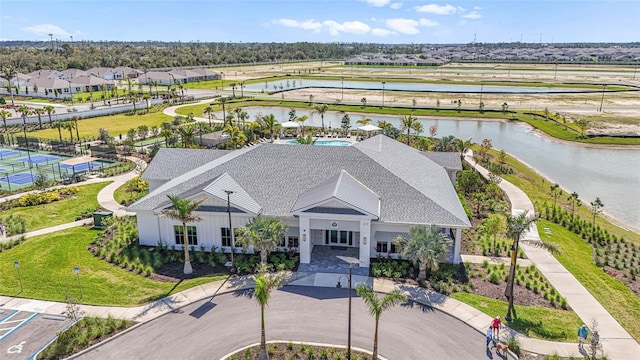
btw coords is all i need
(365, 242)
(456, 250)
(304, 240)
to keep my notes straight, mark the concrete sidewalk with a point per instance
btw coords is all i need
(616, 341)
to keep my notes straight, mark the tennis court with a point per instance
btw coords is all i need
(19, 168)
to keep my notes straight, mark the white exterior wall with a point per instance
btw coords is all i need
(148, 230)
(365, 243)
(305, 243)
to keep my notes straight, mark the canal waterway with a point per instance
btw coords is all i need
(611, 174)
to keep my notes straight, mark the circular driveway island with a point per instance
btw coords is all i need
(211, 330)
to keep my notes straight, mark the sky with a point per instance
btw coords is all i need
(369, 21)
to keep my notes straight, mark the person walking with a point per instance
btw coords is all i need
(495, 324)
(489, 335)
(583, 332)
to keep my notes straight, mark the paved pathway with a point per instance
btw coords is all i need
(171, 111)
(617, 342)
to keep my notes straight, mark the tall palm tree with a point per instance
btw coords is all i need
(243, 116)
(265, 284)
(208, 110)
(301, 120)
(377, 306)
(69, 125)
(555, 191)
(9, 72)
(237, 138)
(263, 233)
(39, 112)
(4, 114)
(223, 101)
(463, 146)
(59, 125)
(408, 122)
(146, 98)
(596, 208)
(75, 123)
(50, 110)
(446, 143)
(517, 225)
(270, 124)
(182, 210)
(321, 109)
(425, 246)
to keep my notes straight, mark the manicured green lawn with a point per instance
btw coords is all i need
(59, 212)
(115, 125)
(47, 263)
(535, 321)
(576, 256)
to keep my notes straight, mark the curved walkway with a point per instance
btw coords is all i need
(616, 341)
(171, 111)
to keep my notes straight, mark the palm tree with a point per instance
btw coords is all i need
(574, 199)
(263, 233)
(408, 123)
(515, 229)
(237, 138)
(69, 125)
(321, 109)
(265, 284)
(243, 116)
(39, 112)
(75, 123)
(301, 120)
(182, 210)
(363, 122)
(146, 98)
(9, 72)
(446, 143)
(306, 140)
(270, 123)
(425, 246)
(4, 114)
(555, 191)
(208, 110)
(463, 146)
(364, 102)
(222, 101)
(50, 110)
(377, 306)
(186, 133)
(59, 125)
(166, 133)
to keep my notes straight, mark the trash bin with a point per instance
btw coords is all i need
(98, 218)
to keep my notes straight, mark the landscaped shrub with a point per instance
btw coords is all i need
(14, 224)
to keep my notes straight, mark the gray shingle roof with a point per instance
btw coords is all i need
(448, 160)
(171, 163)
(412, 188)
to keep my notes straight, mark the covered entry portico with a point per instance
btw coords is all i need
(337, 213)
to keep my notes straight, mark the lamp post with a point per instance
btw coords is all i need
(77, 271)
(351, 261)
(233, 243)
(481, 88)
(26, 139)
(17, 265)
(383, 93)
(602, 98)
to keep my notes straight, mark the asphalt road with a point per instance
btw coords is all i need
(211, 330)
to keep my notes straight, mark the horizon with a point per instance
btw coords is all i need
(323, 21)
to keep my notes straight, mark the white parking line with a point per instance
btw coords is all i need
(19, 323)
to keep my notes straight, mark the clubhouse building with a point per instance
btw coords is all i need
(359, 197)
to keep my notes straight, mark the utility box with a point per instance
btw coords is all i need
(98, 218)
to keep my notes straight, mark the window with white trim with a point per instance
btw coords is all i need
(192, 235)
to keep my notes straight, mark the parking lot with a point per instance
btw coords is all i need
(23, 334)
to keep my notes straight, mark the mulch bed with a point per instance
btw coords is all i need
(174, 272)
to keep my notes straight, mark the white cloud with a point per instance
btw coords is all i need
(477, 8)
(461, 9)
(306, 25)
(472, 15)
(377, 3)
(45, 30)
(381, 32)
(396, 5)
(437, 9)
(403, 26)
(428, 22)
(351, 27)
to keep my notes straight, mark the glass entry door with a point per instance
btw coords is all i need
(339, 237)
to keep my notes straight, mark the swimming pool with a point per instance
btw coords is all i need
(325, 143)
